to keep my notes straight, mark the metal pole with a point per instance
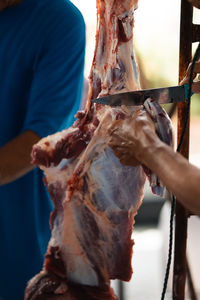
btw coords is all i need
(179, 275)
(121, 290)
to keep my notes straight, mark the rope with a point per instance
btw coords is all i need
(170, 248)
(173, 205)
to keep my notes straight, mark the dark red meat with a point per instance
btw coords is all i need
(95, 196)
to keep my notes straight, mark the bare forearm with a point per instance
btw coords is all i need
(15, 157)
(179, 176)
(135, 141)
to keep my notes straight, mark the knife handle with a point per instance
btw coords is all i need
(186, 87)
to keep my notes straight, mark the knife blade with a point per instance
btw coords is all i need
(172, 94)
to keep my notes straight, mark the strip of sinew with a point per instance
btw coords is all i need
(114, 67)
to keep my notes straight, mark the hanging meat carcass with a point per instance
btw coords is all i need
(95, 196)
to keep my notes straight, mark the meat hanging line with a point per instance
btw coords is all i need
(173, 205)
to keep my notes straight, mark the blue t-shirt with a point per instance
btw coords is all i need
(41, 74)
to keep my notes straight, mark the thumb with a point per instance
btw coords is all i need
(196, 87)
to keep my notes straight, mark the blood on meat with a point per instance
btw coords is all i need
(96, 197)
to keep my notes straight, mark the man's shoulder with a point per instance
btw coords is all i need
(58, 20)
(63, 11)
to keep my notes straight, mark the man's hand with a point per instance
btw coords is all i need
(131, 137)
(196, 74)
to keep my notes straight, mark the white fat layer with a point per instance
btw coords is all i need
(48, 143)
(114, 51)
(78, 267)
(61, 289)
(80, 272)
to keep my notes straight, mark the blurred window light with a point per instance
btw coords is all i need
(196, 16)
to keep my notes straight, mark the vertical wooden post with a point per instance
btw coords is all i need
(179, 275)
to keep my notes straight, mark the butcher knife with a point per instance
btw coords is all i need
(173, 94)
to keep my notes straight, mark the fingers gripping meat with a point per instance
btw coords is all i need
(130, 137)
(163, 127)
(94, 195)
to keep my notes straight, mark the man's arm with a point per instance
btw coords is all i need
(134, 141)
(179, 176)
(55, 92)
(15, 157)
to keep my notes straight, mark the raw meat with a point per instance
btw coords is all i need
(95, 197)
